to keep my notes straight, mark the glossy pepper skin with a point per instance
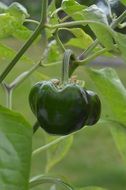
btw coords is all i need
(95, 108)
(59, 111)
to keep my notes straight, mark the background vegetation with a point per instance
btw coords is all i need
(93, 158)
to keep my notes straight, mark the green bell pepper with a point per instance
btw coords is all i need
(63, 109)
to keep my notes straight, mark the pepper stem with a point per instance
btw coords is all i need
(67, 58)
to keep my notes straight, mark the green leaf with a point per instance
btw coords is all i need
(58, 151)
(73, 9)
(94, 14)
(82, 39)
(12, 20)
(8, 53)
(8, 25)
(123, 1)
(119, 134)
(53, 52)
(52, 13)
(15, 150)
(113, 96)
(70, 6)
(121, 41)
(17, 10)
(22, 33)
(112, 92)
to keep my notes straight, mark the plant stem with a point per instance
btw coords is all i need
(96, 42)
(65, 65)
(64, 19)
(45, 147)
(52, 64)
(118, 20)
(28, 43)
(9, 99)
(80, 22)
(122, 25)
(38, 180)
(8, 92)
(109, 8)
(89, 49)
(56, 11)
(55, 34)
(19, 54)
(25, 75)
(90, 58)
(32, 21)
(44, 12)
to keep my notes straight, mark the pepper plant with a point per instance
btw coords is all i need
(61, 106)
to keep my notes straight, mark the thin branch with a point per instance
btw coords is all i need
(25, 75)
(55, 12)
(8, 93)
(90, 58)
(118, 20)
(75, 23)
(28, 43)
(32, 21)
(45, 147)
(64, 19)
(60, 44)
(89, 49)
(39, 180)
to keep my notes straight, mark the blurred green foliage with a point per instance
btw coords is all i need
(93, 157)
(33, 7)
